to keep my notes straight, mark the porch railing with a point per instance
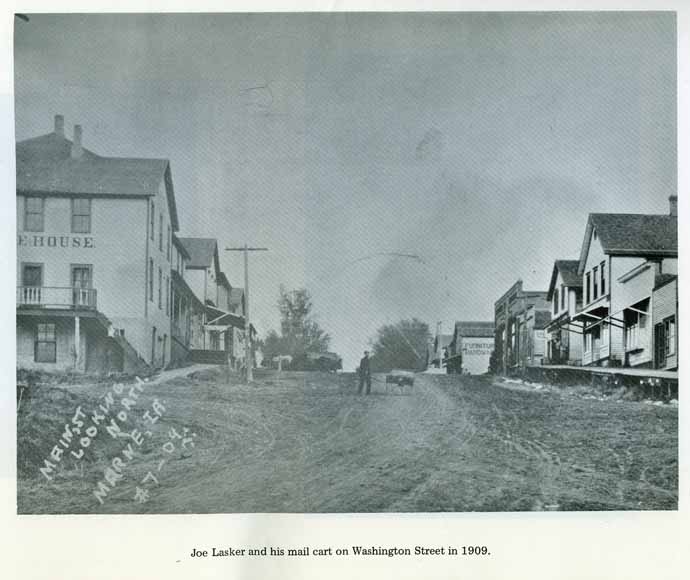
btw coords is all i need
(56, 297)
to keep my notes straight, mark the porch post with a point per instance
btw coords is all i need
(77, 344)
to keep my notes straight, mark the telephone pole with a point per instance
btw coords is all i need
(249, 359)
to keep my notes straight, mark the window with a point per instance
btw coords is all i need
(167, 296)
(588, 285)
(555, 301)
(153, 220)
(32, 275)
(169, 241)
(670, 332)
(563, 295)
(160, 233)
(605, 334)
(32, 280)
(588, 342)
(160, 288)
(595, 278)
(45, 350)
(81, 280)
(632, 332)
(603, 278)
(81, 216)
(33, 214)
(151, 279)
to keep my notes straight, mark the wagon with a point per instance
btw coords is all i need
(400, 379)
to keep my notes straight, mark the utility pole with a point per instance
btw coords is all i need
(249, 359)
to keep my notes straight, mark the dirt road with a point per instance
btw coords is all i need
(305, 442)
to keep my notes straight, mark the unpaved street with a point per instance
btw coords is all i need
(305, 442)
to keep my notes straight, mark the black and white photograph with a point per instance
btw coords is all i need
(346, 262)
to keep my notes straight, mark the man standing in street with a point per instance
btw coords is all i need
(364, 373)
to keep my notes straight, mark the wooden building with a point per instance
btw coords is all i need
(563, 337)
(469, 351)
(94, 256)
(625, 262)
(512, 322)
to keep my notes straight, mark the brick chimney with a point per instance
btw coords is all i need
(673, 205)
(76, 143)
(59, 125)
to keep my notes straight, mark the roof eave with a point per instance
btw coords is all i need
(641, 253)
(49, 192)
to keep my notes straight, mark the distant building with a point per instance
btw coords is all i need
(563, 337)
(437, 350)
(236, 307)
(223, 326)
(188, 312)
(510, 312)
(470, 348)
(532, 324)
(94, 256)
(625, 263)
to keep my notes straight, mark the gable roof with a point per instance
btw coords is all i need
(223, 280)
(201, 252)
(45, 166)
(568, 270)
(630, 234)
(178, 244)
(474, 329)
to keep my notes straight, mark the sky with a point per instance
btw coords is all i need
(477, 142)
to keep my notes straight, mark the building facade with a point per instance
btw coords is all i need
(563, 337)
(511, 324)
(187, 310)
(94, 254)
(469, 351)
(223, 306)
(624, 258)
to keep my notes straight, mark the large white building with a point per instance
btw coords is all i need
(629, 267)
(94, 256)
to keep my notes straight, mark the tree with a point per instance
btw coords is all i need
(401, 345)
(271, 345)
(300, 333)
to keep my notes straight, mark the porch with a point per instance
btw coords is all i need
(63, 297)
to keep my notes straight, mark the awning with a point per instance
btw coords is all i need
(598, 314)
(218, 317)
(564, 322)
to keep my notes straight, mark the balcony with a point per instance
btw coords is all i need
(66, 298)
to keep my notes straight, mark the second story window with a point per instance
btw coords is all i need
(160, 288)
(81, 215)
(555, 301)
(33, 214)
(588, 286)
(603, 278)
(160, 233)
(152, 225)
(595, 282)
(169, 238)
(563, 295)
